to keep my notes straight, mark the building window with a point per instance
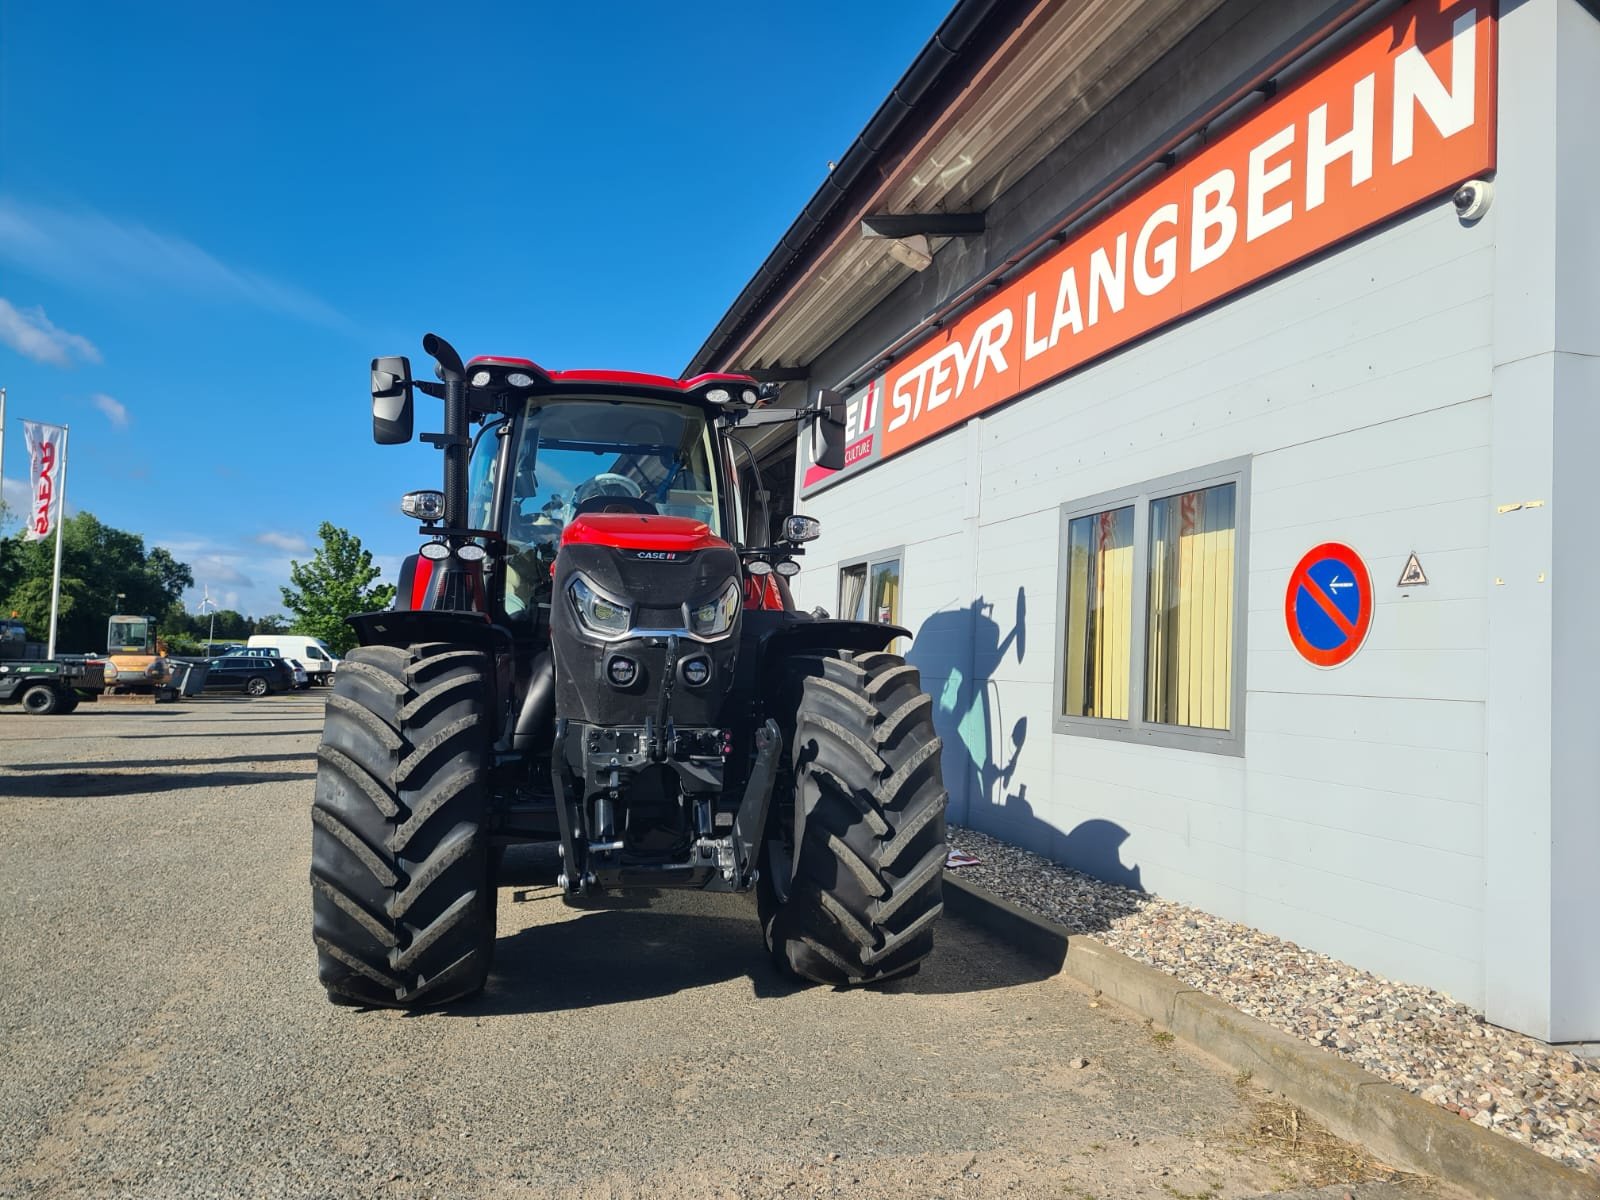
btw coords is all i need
(1099, 649)
(869, 589)
(1152, 583)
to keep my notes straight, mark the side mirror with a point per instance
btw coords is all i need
(797, 529)
(391, 401)
(827, 435)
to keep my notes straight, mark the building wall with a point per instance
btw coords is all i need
(1542, 825)
(1361, 388)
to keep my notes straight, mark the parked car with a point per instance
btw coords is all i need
(301, 679)
(313, 653)
(253, 674)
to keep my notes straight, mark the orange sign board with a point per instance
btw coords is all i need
(1404, 113)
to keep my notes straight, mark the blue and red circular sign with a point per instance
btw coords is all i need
(1328, 607)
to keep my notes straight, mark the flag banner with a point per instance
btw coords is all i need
(46, 458)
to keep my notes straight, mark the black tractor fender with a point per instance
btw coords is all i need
(411, 626)
(783, 648)
(809, 636)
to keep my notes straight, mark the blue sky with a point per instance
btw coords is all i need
(213, 216)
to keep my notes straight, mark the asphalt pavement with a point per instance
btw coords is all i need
(162, 1032)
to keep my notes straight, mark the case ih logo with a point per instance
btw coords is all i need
(659, 555)
(1402, 115)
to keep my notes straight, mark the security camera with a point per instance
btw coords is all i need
(1472, 199)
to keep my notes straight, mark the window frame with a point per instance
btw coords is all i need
(1135, 729)
(894, 553)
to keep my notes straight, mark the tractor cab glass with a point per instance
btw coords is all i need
(601, 456)
(128, 635)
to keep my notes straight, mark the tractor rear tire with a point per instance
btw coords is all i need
(858, 903)
(403, 904)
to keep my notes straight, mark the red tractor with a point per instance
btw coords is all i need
(588, 648)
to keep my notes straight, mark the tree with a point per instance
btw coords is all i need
(98, 562)
(334, 585)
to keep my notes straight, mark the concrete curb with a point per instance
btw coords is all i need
(1402, 1129)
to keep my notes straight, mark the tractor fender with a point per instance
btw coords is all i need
(410, 627)
(803, 635)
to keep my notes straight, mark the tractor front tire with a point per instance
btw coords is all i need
(403, 904)
(858, 903)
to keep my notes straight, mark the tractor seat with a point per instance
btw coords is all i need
(615, 504)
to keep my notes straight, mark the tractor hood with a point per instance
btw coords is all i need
(642, 603)
(662, 538)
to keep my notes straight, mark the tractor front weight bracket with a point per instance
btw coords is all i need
(750, 823)
(574, 878)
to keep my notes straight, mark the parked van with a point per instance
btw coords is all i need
(313, 653)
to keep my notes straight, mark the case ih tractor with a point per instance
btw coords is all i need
(589, 648)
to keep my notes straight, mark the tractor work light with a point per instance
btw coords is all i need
(788, 568)
(720, 396)
(695, 671)
(472, 552)
(423, 506)
(715, 617)
(480, 378)
(597, 613)
(518, 379)
(621, 670)
(434, 551)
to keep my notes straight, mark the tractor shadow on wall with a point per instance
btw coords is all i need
(959, 651)
(645, 944)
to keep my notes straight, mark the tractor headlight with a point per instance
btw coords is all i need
(597, 613)
(716, 616)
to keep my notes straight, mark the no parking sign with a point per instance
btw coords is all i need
(1328, 606)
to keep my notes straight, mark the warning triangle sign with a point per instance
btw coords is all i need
(1412, 576)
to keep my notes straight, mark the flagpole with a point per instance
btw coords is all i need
(61, 519)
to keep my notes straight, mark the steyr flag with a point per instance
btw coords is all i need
(47, 457)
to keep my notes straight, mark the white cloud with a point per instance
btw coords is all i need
(32, 334)
(17, 497)
(116, 412)
(289, 543)
(92, 250)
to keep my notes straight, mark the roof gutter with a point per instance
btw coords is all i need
(951, 56)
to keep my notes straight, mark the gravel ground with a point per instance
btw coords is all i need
(1420, 1039)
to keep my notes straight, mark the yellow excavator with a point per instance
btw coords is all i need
(136, 655)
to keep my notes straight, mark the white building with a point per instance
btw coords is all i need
(1188, 344)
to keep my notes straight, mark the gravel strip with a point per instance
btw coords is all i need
(1420, 1039)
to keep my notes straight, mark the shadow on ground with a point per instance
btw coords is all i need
(647, 943)
(72, 785)
(304, 756)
